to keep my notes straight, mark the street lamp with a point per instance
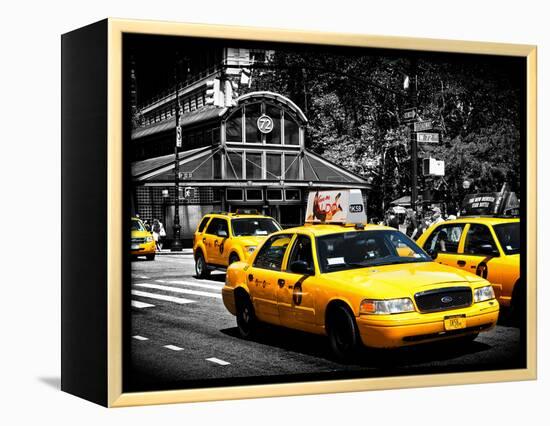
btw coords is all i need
(176, 243)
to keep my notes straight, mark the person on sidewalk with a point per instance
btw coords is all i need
(155, 229)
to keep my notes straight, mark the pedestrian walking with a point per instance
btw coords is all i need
(156, 232)
(411, 225)
(162, 235)
(436, 215)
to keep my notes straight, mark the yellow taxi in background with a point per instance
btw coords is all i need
(486, 246)
(142, 243)
(358, 284)
(224, 238)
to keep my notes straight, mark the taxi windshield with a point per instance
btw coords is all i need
(363, 249)
(508, 236)
(137, 225)
(254, 227)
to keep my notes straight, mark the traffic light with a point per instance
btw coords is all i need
(189, 192)
(213, 93)
(229, 93)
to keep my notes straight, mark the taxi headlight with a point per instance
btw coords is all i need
(484, 293)
(148, 239)
(250, 249)
(381, 307)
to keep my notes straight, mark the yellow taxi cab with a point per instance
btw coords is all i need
(142, 243)
(223, 238)
(358, 284)
(486, 246)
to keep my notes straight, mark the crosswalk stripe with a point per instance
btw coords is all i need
(209, 286)
(173, 348)
(218, 361)
(179, 290)
(141, 305)
(164, 297)
(140, 338)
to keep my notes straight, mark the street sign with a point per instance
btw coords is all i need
(185, 175)
(421, 126)
(178, 136)
(409, 114)
(427, 137)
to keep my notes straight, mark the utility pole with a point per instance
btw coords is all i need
(176, 244)
(413, 99)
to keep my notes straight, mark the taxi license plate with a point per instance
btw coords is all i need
(455, 323)
(135, 247)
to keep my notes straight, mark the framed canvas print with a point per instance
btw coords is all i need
(254, 212)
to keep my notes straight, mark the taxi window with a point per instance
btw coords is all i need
(218, 227)
(301, 251)
(272, 252)
(203, 223)
(444, 239)
(478, 236)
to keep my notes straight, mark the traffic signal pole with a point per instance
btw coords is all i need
(414, 144)
(176, 243)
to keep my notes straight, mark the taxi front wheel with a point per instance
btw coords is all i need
(343, 334)
(201, 268)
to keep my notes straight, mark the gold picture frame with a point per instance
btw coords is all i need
(115, 397)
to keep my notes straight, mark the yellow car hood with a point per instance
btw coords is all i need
(140, 234)
(400, 280)
(250, 240)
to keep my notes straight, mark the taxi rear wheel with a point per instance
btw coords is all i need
(246, 318)
(201, 268)
(150, 257)
(343, 333)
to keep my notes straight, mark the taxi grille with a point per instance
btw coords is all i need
(138, 240)
(443, 299)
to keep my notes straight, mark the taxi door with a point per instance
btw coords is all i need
(214, 239)
(296, 295)
(263, 275)
(480, 255)
(445, 241)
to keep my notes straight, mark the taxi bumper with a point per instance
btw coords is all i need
(144, 249)
(228, 297)
(390, 331)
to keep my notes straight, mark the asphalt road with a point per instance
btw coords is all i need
(182, 336)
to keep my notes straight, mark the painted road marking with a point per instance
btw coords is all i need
(143, 277)
(173, 348)
(218, 361)
(208, 286)
(139, 338)
(164, 297)
(141, 305)
(178, 290)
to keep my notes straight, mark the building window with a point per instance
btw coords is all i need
(234, 194)
(217, 166)
(292, 167)
(234, 165)
(274, 137)
(274, 195)
(252, 113)
(254, 195)
(253, 165)
(273, 166)
(292, 194)
(292, 131)
(234, 127)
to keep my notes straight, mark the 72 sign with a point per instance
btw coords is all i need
(265, 124)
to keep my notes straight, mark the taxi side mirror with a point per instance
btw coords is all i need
(300, 267)
(433, 253)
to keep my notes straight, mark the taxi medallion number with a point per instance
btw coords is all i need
(455, 322)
